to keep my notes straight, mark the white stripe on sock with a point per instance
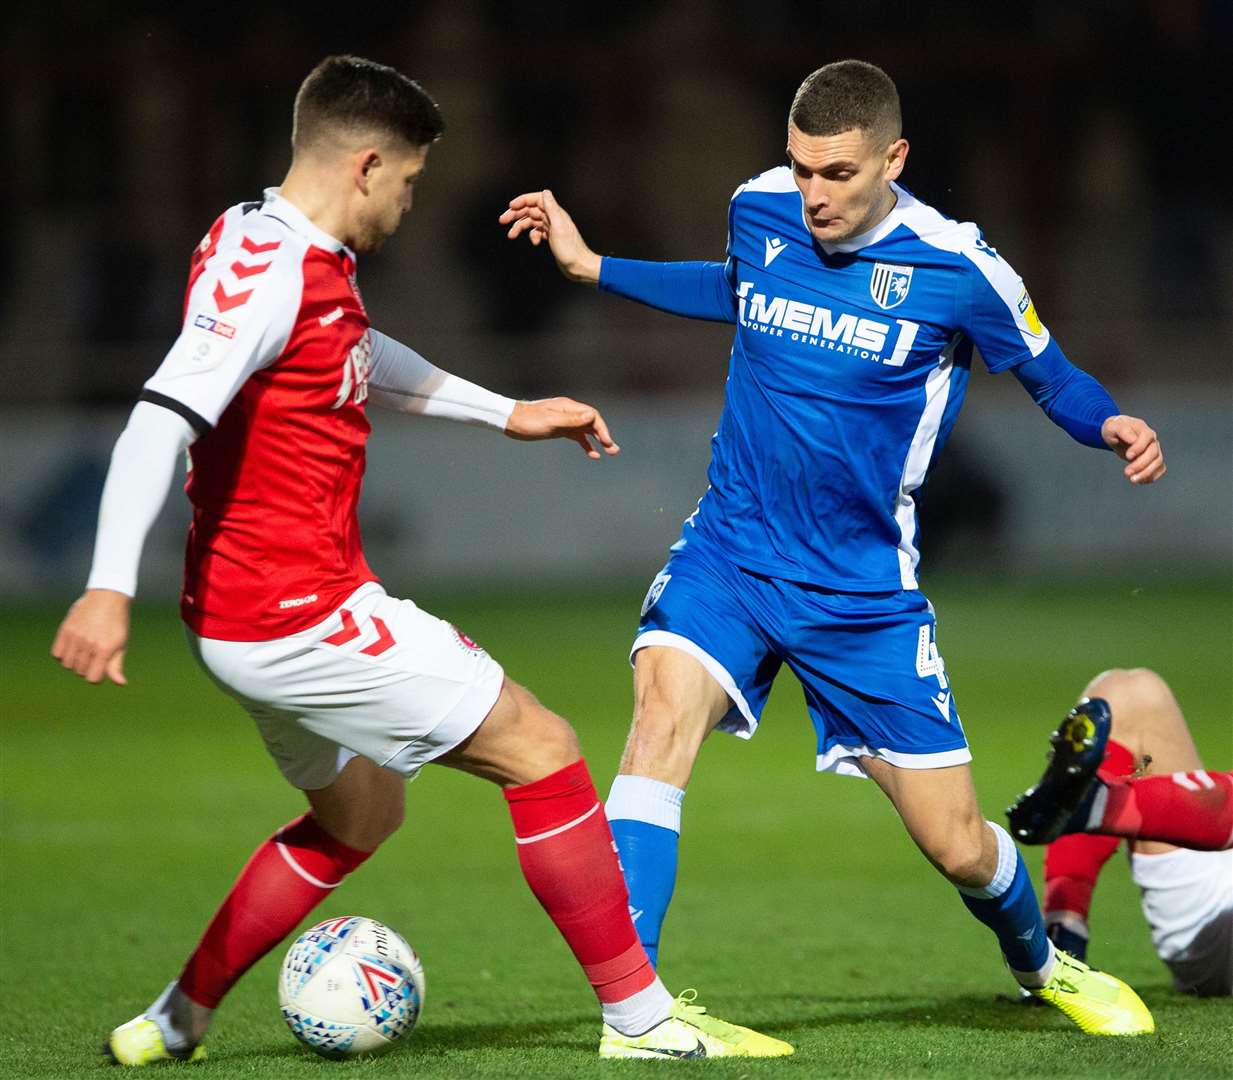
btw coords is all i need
(1039, 977)
(290, 859)
(639, 798)
(1004, 874)
(559, 829)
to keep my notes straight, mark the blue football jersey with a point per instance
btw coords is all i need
(848, 369)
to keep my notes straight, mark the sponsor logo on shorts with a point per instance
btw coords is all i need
(465, 641)
(215, 326)
(298, 601)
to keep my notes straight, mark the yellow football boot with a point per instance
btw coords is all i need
(141, 1042)
(689, 1032)
(1098, 1003)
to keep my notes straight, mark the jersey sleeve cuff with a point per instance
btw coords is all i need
(195, 420)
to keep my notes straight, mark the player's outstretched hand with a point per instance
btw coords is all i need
(92, 638)
(540, 217)
(561, 418)
(1137, 444)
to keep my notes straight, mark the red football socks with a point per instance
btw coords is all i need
(568, 857)
(1189, 809)
(285, 879)
(1073, 862)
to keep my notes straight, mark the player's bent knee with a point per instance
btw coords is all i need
(519, 742)
(1129, 689)
(959, 854)
(961, 865)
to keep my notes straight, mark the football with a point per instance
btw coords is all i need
(350, 986)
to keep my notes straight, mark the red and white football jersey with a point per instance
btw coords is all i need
(271, 369)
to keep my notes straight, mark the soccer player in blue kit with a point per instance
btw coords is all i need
(856, 307)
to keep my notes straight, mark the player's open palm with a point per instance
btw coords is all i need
(539, 216)
(562, 418)
(1136, 444)
(93, 635)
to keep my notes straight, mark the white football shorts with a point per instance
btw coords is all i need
(378, 678)
(1188, 902)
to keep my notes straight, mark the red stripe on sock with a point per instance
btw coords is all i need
(265, 904)
(1191, 810)
(622, 976)
(576, 877)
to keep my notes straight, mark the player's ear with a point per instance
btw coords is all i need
(896, 156)
(364, 163)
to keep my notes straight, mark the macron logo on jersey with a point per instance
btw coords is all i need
(773, 249)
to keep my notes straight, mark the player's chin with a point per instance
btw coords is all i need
(833, 232)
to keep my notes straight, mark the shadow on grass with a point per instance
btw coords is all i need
(978, 1012)
(437, 1041)
(779, 1013)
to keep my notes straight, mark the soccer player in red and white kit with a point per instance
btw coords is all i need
(1134, 773)
(352, 689)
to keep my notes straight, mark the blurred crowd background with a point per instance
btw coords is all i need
(1090, 139)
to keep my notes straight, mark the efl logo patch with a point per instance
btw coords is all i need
(1028, 310)
(215, 326)
(890, 284)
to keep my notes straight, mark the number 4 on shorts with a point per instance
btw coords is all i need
(928, 659)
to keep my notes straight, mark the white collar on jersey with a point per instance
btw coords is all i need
(296, 220)
(879, 232)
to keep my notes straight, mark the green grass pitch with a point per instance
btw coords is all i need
(802, 908)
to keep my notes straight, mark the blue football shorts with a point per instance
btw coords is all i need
(875, 684)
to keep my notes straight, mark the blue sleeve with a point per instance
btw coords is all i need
(1071, 398)
(699, 290)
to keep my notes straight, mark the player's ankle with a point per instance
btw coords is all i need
(1068, 930)
(183, 1021)
(640, 1012)
(1034, 980)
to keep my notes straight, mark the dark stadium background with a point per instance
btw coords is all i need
(1089, 140)
(1086, 139)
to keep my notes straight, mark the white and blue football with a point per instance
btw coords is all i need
(350, 986)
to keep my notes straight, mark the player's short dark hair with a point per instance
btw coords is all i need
(346, 94)
(845, 95)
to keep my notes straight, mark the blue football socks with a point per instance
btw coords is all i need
(1007, 905)
(645, 816)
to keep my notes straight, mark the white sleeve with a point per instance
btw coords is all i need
(143, 464)
(399, 378)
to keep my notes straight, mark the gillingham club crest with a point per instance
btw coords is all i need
(889, 284)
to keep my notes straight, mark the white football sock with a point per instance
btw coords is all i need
(639, 798)
(640, 1012)
(181, 1020)
(1036, 979)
